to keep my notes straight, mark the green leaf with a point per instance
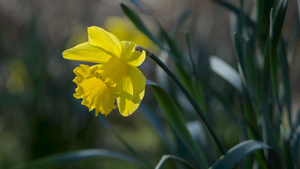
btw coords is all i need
(174, 50)
(226, 72)
(276, 24)
(135, 152)
(238, 152)
(141, 6)
(278, 21)
(251, 71)
(199, 111)
(197, 87)
(292, 43)
(193, 67)
(263, 20)
(236, 11)
(296, 122)
(174, 158)
(57, 160)
(140, 25)
(178, 22)
(176, 120)
(286, 79)
(273, 62)
(296, 148)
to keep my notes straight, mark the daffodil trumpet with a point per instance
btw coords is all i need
(115, 75)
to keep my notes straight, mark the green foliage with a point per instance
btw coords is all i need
(256, 97)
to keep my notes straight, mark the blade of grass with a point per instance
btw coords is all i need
(61, 159)
(174, 158)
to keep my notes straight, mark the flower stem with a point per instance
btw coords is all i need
(188, 95)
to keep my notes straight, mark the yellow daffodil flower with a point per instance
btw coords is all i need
(115, 77)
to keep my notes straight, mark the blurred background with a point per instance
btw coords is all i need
(39, 115)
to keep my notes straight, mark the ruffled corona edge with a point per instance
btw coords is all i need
(98, 92)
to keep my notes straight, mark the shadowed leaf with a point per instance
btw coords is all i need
(174, 158)
(57, 160)
(238, 152)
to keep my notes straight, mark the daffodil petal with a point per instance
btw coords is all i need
(105, 40)
(130, 55)
(131, 89)
(87, 53)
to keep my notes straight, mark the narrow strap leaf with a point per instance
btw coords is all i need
(238, 152)
(296, 148)
(176, 120)
(140, 25)
(200, 112)
(226, 72)
(174, 158)
(57, 160)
